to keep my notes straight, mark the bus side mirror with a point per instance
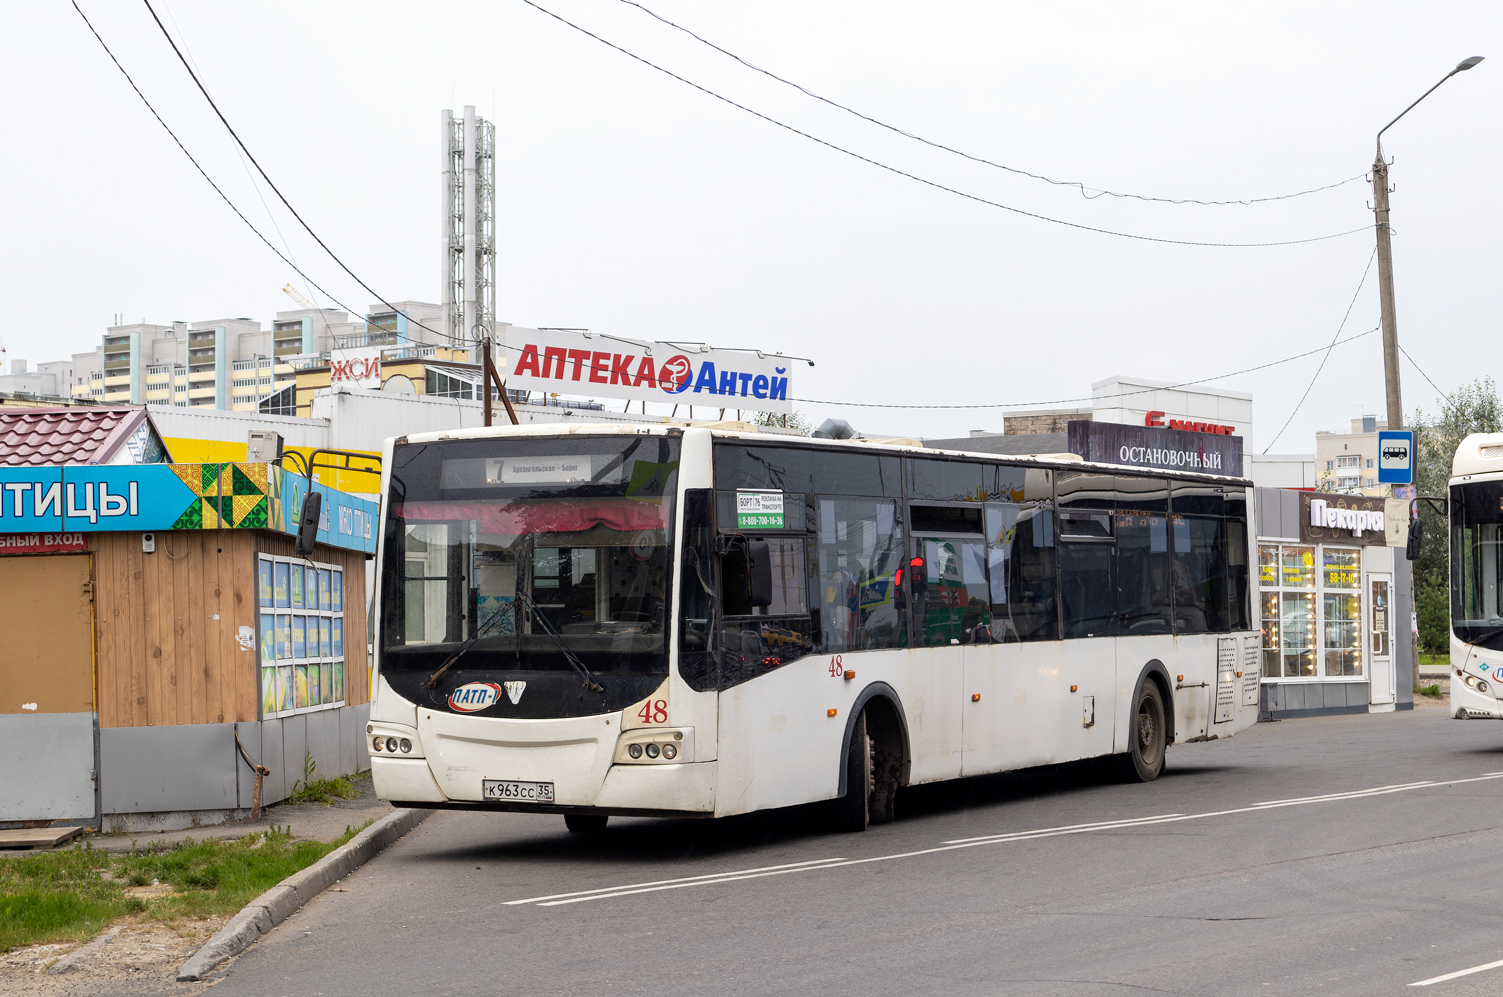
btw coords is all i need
(759, 573)
(307, 523)
(1416, 539)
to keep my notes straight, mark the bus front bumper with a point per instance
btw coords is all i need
(580, 757)
(1469, 704)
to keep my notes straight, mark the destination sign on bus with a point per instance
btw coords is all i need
(581, 363)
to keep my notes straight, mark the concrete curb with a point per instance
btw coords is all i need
(281, 901)
(75, 959)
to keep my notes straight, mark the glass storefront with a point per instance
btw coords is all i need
(1312, 619)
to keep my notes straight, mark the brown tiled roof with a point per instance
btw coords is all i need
(80, 435)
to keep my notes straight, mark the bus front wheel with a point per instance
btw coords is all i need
(1149, 735)
(872, 774)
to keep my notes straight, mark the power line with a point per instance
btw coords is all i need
(1444, 398)
(201, 171)
(1089, 398)
(1328, 351)
(932, 183)
(1083, 188)
(166, 34)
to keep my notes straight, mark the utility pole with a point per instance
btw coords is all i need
(1385, 294)
(1390, 319)
(1385, 261)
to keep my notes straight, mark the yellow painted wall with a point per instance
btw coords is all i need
(188, 451)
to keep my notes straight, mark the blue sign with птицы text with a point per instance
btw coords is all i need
(90, 498)
(1395, 457)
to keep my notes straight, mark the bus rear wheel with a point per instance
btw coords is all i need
(585, 823)
(1148, 735)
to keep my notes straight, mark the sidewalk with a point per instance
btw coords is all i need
(305, 821)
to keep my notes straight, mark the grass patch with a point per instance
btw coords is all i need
(70, 895)
(1435, 659)
(1432, 690)
(321, 790)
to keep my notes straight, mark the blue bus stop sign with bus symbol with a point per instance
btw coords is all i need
(1396, 457)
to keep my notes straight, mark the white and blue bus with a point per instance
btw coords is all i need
(1476, 514)
(689, 621)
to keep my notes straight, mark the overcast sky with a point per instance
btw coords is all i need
(632, 204)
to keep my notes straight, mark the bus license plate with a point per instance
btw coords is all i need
(521, 792)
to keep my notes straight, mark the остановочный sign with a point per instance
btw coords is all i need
(1158, 449)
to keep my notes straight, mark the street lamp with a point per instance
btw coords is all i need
(1385, 260)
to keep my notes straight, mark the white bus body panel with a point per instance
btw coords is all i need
(573, 753)
(1478, 662)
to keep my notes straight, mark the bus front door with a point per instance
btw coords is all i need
(953, 606)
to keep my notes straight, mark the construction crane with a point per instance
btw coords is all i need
(295, 295)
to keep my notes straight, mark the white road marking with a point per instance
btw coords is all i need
(686, 880)
(1459, 972)
(819, 865)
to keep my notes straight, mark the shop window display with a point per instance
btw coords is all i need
(1311, 611)
(301, 635)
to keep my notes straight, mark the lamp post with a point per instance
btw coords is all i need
(1385, 260)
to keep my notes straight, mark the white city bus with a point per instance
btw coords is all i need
(656, 620)
(1476, 513)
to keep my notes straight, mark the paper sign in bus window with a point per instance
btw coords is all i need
(759, 510)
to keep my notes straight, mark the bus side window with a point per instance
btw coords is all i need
(1020, 555)
(756, 639)
(1210, 559)
(856, 594)
(1144, 565)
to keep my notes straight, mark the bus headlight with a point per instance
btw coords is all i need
(396, 740)
(1471, 680)
(1481, 685)
(655, 745)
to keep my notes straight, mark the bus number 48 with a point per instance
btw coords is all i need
(654, 711)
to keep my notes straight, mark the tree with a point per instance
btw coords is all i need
(1472, 408)
(1431, 596)
(794, 420)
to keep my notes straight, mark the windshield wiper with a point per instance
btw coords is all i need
(480, 631)
(558, 641)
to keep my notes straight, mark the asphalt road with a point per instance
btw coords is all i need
(1199, 883)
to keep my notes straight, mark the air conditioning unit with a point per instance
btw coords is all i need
(262, 446)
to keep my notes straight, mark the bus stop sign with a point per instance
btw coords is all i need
(1396, 457)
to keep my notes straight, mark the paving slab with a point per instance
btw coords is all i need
(38, 837)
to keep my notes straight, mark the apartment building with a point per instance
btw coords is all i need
(233, 364)
(1348, 462)
(48, 379)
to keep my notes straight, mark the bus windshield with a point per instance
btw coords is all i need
(1476, 564)
(528, 552)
